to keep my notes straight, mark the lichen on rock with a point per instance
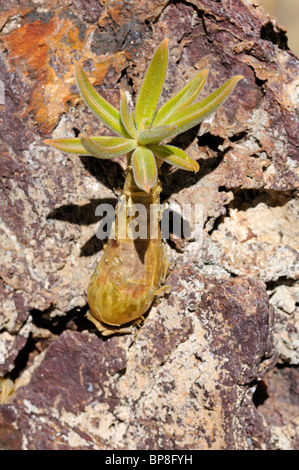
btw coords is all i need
(190, 376)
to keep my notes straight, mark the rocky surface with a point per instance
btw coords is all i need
(189, 377)
(191, 368)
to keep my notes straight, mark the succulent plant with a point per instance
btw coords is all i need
(142, 131)
(126, 281)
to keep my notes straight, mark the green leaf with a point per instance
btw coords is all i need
(155, 134)
(144, 168)
(175, 156)
(126, 118)
(195, 113)
(182, 99)
(145, 123)
(73, 145)
(152, 84)
(101, 151)
(98, 105)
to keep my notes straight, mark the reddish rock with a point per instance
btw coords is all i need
(186, 378)
(183, 382)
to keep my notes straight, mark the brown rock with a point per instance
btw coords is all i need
(277, 400)
(186, 379)
(183, 383)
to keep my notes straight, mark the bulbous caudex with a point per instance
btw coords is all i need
(131, 272)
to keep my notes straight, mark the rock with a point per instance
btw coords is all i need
(195, 362)
(276, 392)
(261, 241)
(183, 382)
(285, 298)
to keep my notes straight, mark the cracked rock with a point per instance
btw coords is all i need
(186, 378)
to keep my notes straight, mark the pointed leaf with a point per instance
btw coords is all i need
(175, 156)
(182, 99)
(126, 118)
(98, 105)
(195, 113)
(152, 84)
(145, 123)
(73, 145)
(155, 134)
(101, 151)
(144, 168)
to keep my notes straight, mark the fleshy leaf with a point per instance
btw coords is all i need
(155, 134)
(152, 84)
(101, 151)
(175, 156)
(182, 99)
(195, 113)
(126, 118)
(73, 145)
(144, 168)
(100, 107)
(145, 123)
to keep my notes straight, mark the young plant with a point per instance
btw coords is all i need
(131, 271)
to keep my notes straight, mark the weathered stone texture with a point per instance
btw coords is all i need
(174, 386)
(186, 379)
